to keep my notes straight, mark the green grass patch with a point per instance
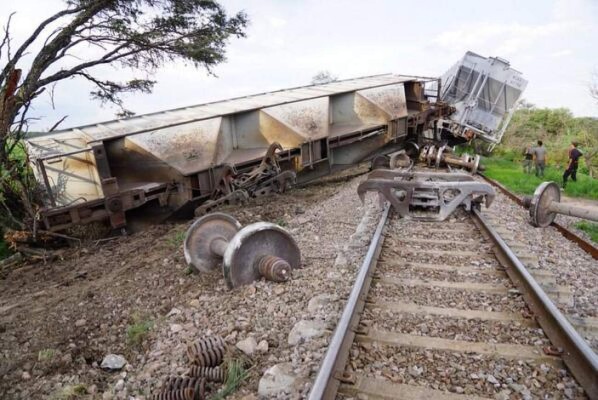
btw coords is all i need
(281, 222)
(590, 228)
(138, 330)
(235, 377)
(510, 173)
(46, 355)
(177, 239)
(70, 392)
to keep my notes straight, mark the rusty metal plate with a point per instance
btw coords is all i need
(188, 148)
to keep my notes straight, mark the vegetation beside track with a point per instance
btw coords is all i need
(509, 172)
(590, 228)
(557, 128)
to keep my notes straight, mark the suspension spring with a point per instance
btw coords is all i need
(184, 394)
(211, 374)
(207, 352)
(174, 383)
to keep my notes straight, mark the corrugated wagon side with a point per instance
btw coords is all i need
(177, 159)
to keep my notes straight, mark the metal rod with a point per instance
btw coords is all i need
(42, 169)
(65, 154)
(577, 355)
(574, 211)
(218, 246)
(339, 338)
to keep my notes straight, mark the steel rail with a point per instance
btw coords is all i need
(326, 383)
(567, 233)
(575, 352)
(577, 355)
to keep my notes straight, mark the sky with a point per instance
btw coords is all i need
(553, 43)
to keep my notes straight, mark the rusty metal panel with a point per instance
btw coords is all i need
(308, 120)
(390, 98)
(188, 148)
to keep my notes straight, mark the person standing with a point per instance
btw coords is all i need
(539, 158)
(571, 170)
(528, 157)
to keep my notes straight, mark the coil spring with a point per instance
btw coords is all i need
(211, 374)
(184, 394)
(207, 352)
(174, 383)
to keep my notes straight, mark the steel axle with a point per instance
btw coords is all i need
(545, 204)
(437, 156)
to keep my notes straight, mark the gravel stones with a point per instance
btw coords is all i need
(113, 362)
(262, 346)
(305, 330)
(266, 311)
(248, 345)
(279, 378)
(318, 302)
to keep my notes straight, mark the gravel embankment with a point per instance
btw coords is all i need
(333, 236)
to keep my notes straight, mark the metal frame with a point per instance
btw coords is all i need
(403, 193)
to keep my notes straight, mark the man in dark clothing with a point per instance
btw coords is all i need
(571, 170)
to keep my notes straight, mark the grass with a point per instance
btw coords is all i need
(45, 355)
(590, 228)
(236, 375)
(70, 392)
(510, 173)
(281, 222)
(138, 331)
(177, 239)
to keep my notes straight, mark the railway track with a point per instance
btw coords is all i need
(445, 310)
(584, 244)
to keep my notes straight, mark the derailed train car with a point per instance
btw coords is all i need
(199, 156)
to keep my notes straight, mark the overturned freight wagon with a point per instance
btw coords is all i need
(178, 159)
(484, 92)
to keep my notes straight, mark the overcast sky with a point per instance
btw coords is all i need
(554, 44)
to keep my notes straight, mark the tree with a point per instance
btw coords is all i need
(140, 35)
(323, 77)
